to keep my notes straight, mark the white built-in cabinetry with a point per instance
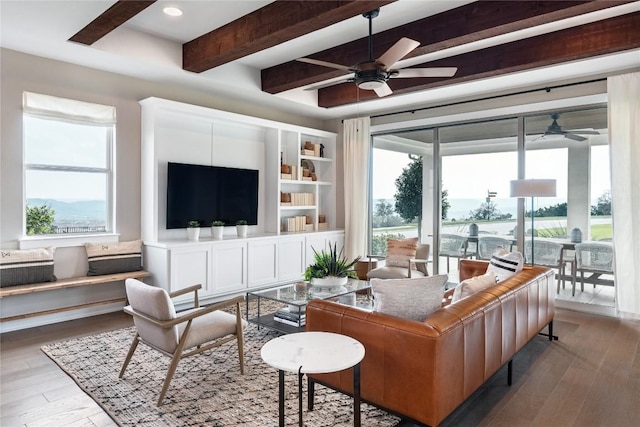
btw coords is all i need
(183, 133)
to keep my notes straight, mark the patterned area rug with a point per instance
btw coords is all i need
(207, 389)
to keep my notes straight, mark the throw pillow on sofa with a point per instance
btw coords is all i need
(505, 264)
(473, 285)
(111, 258)
(399, 252)
(413, 299)
(22, 266)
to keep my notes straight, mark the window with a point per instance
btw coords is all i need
(68, 149)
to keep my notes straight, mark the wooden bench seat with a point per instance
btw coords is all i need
(71, 282)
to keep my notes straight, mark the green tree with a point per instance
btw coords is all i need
(488, 211)
(603, 205)
(383, 208)
(408, 196)
(40, 220)
(445, 203)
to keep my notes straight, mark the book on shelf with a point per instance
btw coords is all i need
(289, 315)
(290, 322)
(285, 176)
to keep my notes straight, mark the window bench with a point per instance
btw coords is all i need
(71, 282)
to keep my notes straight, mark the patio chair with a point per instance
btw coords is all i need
(453, 246)
(595, 258)
(487, 245)
(173, 334)
(548, 254)
(400, 265)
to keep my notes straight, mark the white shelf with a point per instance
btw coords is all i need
(314, 158)
(301, 207)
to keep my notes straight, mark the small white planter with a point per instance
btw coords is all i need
(217, 231)
(242, 230)
(194, 233)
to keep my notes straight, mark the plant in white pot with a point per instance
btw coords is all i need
(193, 230)
(217, 229)
(330, 269)
(241, 228)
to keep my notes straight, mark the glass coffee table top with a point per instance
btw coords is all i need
(293, 297)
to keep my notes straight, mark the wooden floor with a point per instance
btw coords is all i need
(590, 377)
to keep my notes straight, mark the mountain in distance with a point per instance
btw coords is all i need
(81, 209)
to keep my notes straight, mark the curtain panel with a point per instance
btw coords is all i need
(624, 138)
(356, 154)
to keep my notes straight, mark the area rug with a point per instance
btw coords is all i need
(207, 389)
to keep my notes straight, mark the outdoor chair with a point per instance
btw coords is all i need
(595, 258)
(453, 246)
(487, 245)
(548, 254)
(406, 267)
(183, 334)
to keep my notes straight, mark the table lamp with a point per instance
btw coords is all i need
(533, 188)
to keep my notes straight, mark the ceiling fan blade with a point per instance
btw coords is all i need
(584, 132)
(383, 90)
(324, 64)
(323, 85)
(574, 137)
(425, 72)
(396, 52)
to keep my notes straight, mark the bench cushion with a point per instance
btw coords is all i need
(110, 258)
(22, 266)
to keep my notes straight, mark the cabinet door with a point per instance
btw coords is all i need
(229, 267)
(291, 258)
(315, 242)
(336, 238)
(190, 266)
(263, 262)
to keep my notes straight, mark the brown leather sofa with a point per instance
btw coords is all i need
(423, 371)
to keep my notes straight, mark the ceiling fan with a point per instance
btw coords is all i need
(555, 129)
(373, 74)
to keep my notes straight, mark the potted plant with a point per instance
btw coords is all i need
(217, 229)
(193, 230)
(241, 228)
(330, 269)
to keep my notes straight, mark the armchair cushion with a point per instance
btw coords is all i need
(392, 273)
(209, 327)
(505, 264)
(472, 285)
(413, 299)
(399, 252)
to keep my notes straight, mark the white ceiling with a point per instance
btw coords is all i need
(149, 47)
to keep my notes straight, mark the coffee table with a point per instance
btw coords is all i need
(295, 297)
(314, 353)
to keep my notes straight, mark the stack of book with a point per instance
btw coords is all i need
(288, 317)
(294, 223)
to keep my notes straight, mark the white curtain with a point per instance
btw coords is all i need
(624, 139)
(356, 152)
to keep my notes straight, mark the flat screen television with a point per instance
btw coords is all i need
(210, 193)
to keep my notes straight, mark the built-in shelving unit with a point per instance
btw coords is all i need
(184, 133)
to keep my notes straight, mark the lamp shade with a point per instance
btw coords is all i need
(533, 188)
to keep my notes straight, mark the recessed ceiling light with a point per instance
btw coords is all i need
(172, 11)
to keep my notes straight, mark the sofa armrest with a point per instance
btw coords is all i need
(471, 268)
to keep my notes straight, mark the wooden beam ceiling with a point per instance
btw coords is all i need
(465, 24)
(109, 20)
(598, 38)
(266, 27)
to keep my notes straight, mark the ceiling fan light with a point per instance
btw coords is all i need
(370, 84)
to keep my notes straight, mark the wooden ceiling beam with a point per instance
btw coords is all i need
(109, 20)
(598, 38)
(455, 27)
(266, 27)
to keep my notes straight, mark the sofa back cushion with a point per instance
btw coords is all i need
(472, 285)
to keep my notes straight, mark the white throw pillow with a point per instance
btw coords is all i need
(473, 285)
(413, 299)
(505, 264)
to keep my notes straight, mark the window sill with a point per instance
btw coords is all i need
(59, 241)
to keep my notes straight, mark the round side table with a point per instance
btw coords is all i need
(314, 353)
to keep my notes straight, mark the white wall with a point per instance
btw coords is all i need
(21, 72)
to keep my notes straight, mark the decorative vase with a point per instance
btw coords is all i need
(242, 230)
(473, 230)
(576, 235)
(217, 231)
(328, 284)
(194, 233)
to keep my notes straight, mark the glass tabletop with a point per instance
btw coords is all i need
(299, 293)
